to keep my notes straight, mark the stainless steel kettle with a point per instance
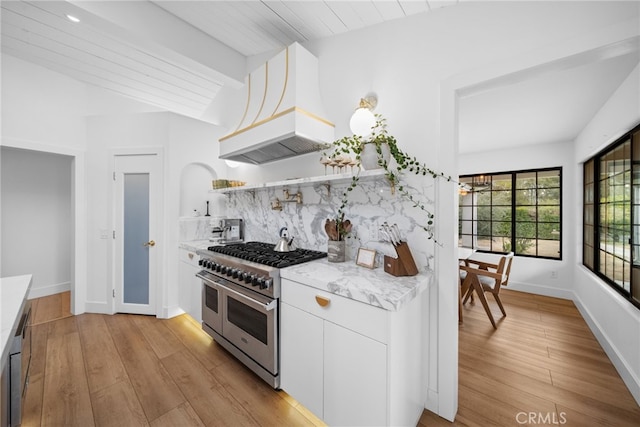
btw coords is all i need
(283, 245)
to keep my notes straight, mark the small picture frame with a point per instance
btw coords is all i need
(366, 257)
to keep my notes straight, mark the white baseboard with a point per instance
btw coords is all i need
(432, 401)
(45, 291)
(169, 312)
(97, 307)
(548, 291)
(631, 381)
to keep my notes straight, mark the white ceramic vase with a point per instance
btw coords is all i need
(369, 156)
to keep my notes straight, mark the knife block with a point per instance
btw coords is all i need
(404, 265)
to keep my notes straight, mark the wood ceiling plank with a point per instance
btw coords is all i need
(101, 46)
(328, 18)
(297, 23)
(85, 62)
(265, 24)
(389, 10)
(223, 21)
(356, 15)
(411, 7)
(157, 98)
(306, 17)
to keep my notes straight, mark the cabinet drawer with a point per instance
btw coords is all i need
(359, 317)
(190, 257)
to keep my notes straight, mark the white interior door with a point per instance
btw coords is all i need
(137, 187)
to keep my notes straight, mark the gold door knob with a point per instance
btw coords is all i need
(150, 243)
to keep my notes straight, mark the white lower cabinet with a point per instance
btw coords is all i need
(190, 287)
(302, 356)
(338, 361)
(355, 378)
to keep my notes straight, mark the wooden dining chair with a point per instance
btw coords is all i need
(483, 277)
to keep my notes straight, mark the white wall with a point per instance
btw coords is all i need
(41, 106)
(409, 63)
(614, 321)
(36, 228)
(530, 274)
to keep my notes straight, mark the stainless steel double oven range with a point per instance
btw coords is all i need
(240, 301)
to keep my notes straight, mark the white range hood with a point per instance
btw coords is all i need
(283, 116)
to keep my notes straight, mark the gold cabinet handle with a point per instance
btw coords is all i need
(322, 301)
(190, 255)
(150, 243)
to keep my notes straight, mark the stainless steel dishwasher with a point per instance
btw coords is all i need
(16, 377)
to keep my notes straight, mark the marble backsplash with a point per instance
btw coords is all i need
(196, 228)
(370, 204)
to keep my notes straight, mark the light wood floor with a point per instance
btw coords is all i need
(542, 359)
(126, 370)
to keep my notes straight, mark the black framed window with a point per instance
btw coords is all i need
(519, 211)
(611, 215)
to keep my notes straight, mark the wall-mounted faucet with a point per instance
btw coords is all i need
(276, 205)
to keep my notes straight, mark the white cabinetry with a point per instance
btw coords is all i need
(190, 287)
(342, 362)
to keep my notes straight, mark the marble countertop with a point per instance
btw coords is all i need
(374, 287)
(13, 295)
(370, 286)
(195, 245)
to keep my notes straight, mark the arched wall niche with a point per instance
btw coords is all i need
(195, 184)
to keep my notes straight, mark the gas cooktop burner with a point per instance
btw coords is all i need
(263, 253)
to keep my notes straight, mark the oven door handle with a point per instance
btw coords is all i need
(266, 307)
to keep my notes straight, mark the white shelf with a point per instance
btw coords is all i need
(305, 182)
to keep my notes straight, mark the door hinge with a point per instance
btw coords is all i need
(114, 176)
(114, 234)
(114, 293)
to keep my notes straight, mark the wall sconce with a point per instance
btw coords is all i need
(232, 164)
(363, 119)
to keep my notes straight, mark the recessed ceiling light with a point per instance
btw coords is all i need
(72, 18)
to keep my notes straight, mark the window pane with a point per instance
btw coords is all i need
(549, 179)
(501, 213)
(535, 217)
(501, 182)
(614, 228)
(501, 197)
(526, 230)
(484, 228)
(502, 229)
(526, 180)
(484, 198)
(526, 197)
(549, 248)
(548, 196)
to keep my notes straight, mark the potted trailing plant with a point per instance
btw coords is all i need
(386, 148)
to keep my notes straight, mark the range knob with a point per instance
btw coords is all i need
(209, 264)
(255, 281)
(266, 283)
(248, 278)
(201, 262)
(235, 274)
(223, 270)
(218, 267)
(230, 271)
